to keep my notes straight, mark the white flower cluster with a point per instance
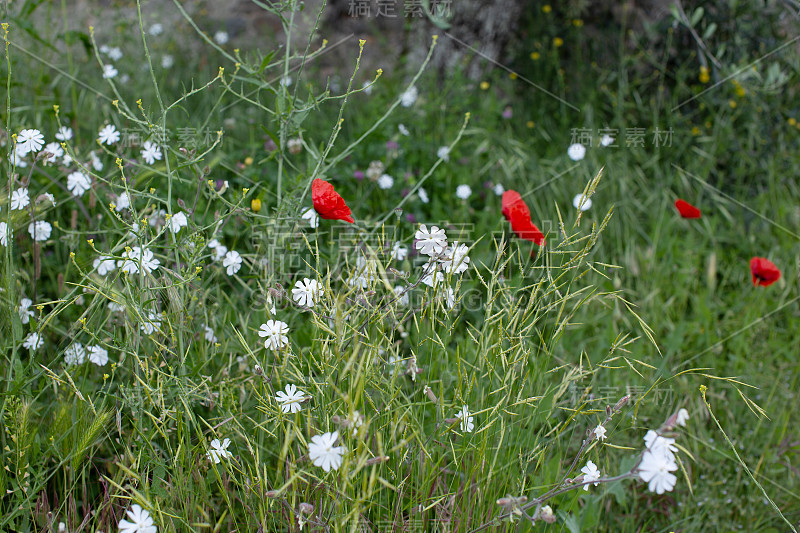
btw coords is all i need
(658, 462)
(452, 259)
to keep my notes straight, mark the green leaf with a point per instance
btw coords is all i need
(571, 523)
(619, 492)
(265, 61)
(696, 16)
(271, 135)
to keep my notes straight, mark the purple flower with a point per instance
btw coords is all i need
(359, 175)
(411, 218)
(392, 145)
(269, 145)
(405, 192)
(507, 113)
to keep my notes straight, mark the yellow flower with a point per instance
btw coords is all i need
(558, 41)
(535, 56)
(530, 124)
(792, 121)
(513, 75)
(695, 130)
(255, 205)
(248, 161)
(577, 23)
(732, 103)
(546, 8)
(484, 85)
(704, 77)
(740, 91)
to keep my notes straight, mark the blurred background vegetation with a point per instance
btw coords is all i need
(700, 97)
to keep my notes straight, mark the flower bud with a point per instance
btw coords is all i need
(621, 403)
(305, 508)
(429, 393)
(255, 205)
(670, 423)
(546, 513)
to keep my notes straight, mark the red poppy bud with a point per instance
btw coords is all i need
(327, 202)
(764, 271)
(686, 209)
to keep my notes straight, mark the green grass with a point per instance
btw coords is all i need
(627, 299)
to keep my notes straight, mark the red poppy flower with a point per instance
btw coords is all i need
(764, 271)
(686, 209)
(516, 211)
(327, 202)
(511, 198)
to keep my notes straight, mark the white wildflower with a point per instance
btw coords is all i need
(431, 242)
(322, 452)
(581, 202)
(290, 400)
(24, 310)
(576, 151)
(399, 252)
(177, 221)
(40, 230)
(33, 342)
(590, 473)
(385, 181)
(75, 354)
(219, 450)
(466, 418)
(109, 71)
(274, 333)
(97, 355)
(19, 199)
(141, 521)
(312, 217)
(455, 260)
(151, 153)
(78, 183)
(232, 262)
(463, 192)
(408, 98)
(221, 37)
(306, 292)
(29, 141)
(600, 432)
(5, 233)
(104, 264)
(108, 135)
(654, 469)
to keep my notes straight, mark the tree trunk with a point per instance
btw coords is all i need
(476, 39)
